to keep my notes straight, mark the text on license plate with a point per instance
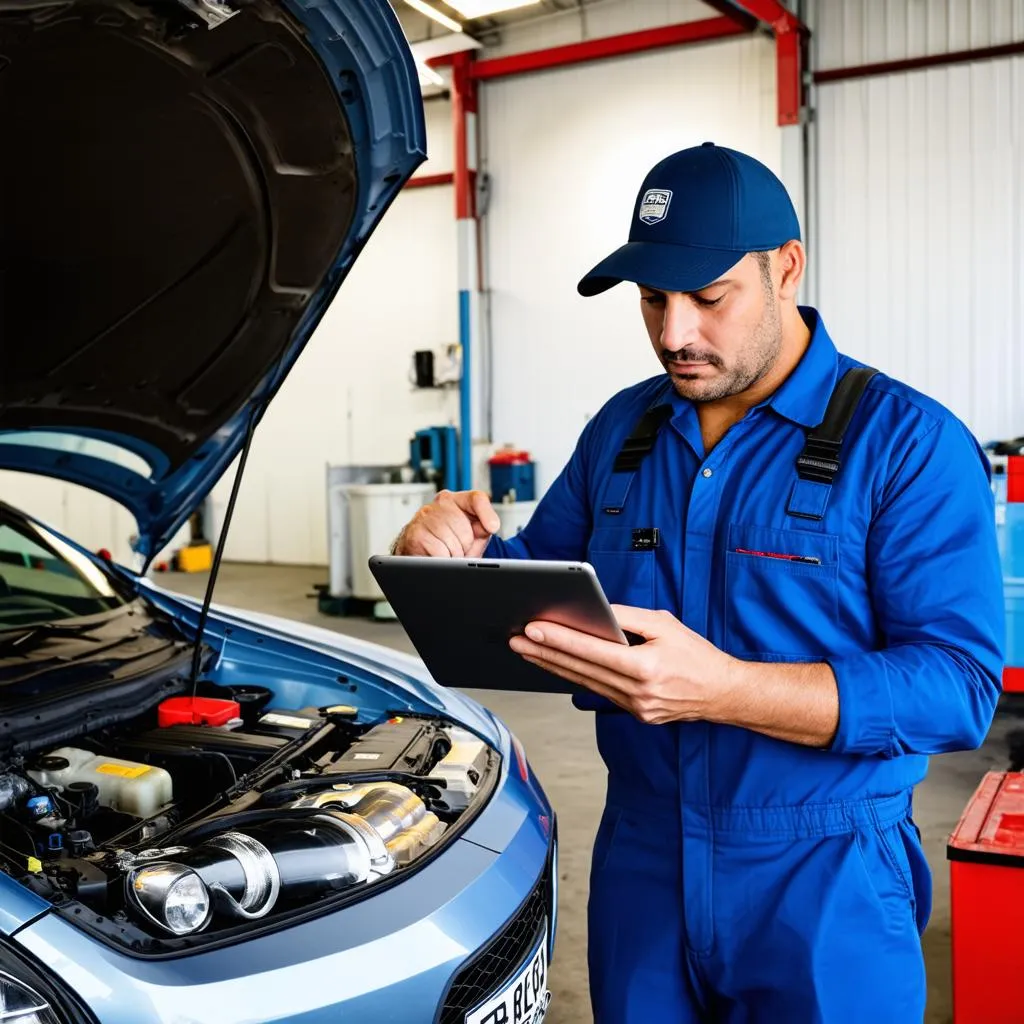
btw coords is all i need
(524, 1000)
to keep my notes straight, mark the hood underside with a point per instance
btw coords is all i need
(180, 199)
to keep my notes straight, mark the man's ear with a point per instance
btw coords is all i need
(791, 263)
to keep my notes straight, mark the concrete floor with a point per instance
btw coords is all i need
(561, 747)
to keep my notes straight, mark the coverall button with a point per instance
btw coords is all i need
(707, 473)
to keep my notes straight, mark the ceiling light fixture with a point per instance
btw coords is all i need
(432, 12)
(470, 9)
(428, 76)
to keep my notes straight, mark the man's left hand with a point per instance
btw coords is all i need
(676, 675)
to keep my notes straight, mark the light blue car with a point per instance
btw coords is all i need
(209, 816)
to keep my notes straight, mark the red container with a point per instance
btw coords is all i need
(197, 711)
(986, 852)
(515, 457)
(1015, 478)
(1013, 680)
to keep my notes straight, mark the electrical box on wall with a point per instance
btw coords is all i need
(436, 368)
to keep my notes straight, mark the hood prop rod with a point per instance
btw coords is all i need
(197, 651)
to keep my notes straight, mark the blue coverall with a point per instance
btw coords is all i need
(736, 877)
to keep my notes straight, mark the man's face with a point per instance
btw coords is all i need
(721, 340)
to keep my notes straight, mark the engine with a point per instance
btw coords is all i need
(199, 823)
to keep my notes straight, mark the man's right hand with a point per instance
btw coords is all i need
(455, 524)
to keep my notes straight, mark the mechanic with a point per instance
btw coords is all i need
(823, 544)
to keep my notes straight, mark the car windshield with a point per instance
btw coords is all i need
(43, 579)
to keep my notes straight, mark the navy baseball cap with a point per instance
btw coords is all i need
(698, 212)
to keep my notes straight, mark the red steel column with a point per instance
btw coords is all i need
(789, 57)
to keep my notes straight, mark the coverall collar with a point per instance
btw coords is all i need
(804, 394)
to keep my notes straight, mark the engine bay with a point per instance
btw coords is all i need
(213, 814)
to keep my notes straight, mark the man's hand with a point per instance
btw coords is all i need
(454, 525)
(677, 675)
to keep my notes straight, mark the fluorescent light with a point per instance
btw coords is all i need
(444, 46)
(432, 12)
(428, 76)
(470, 9)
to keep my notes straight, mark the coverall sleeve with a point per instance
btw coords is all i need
(560, 526)
(936, 586)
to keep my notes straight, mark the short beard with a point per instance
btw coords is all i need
(758, 356)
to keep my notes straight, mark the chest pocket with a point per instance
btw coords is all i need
(626, 575)
(781, 593)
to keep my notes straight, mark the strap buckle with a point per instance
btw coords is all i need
(819, 461)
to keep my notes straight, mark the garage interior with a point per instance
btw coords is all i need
(896, 126)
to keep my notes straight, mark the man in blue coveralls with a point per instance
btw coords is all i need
(823, 546)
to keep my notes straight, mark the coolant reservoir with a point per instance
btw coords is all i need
(139, 789)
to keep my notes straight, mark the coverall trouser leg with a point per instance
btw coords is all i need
(802, 928)
(636, 944)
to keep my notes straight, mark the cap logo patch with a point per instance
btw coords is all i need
(654, 205)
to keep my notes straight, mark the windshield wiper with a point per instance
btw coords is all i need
(24, 639)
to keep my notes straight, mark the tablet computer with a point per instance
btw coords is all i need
(461, 613)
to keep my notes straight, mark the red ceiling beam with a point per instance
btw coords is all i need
(936, 60)
(790, 38)
(705, 30)
(429, 180)
(774, 13)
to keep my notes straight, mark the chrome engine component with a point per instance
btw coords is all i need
(395, 814)
(353, 835)
(13, 789)
(262, 877)
(463, 768)
(172, 896)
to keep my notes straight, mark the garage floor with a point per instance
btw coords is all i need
(560, 744)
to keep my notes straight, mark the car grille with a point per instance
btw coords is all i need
(496, 962)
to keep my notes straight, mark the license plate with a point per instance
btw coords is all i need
(525, 999)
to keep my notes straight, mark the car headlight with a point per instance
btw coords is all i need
(30, 995)
(20, 1004)
(172, 896)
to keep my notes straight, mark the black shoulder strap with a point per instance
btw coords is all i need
(819, 461)
(634, 450)
(640, 443)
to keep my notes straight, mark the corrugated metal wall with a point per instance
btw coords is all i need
(921, 205)
(568, 149)
(854, 32)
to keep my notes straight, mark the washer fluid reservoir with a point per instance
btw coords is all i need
(139, 789)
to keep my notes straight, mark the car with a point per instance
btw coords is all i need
(208, 814)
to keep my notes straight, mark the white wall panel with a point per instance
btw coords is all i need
(89, 518)
(921, 215)
(849, 33)
(568, 150)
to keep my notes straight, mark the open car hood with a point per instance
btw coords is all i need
(184, 186)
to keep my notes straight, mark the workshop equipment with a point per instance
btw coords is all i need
(337, 594)
(194, 557)
(986, 854)
(377, 514)
(433, 455)
(1013, 600)
(512, 475)
(1006, 459)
